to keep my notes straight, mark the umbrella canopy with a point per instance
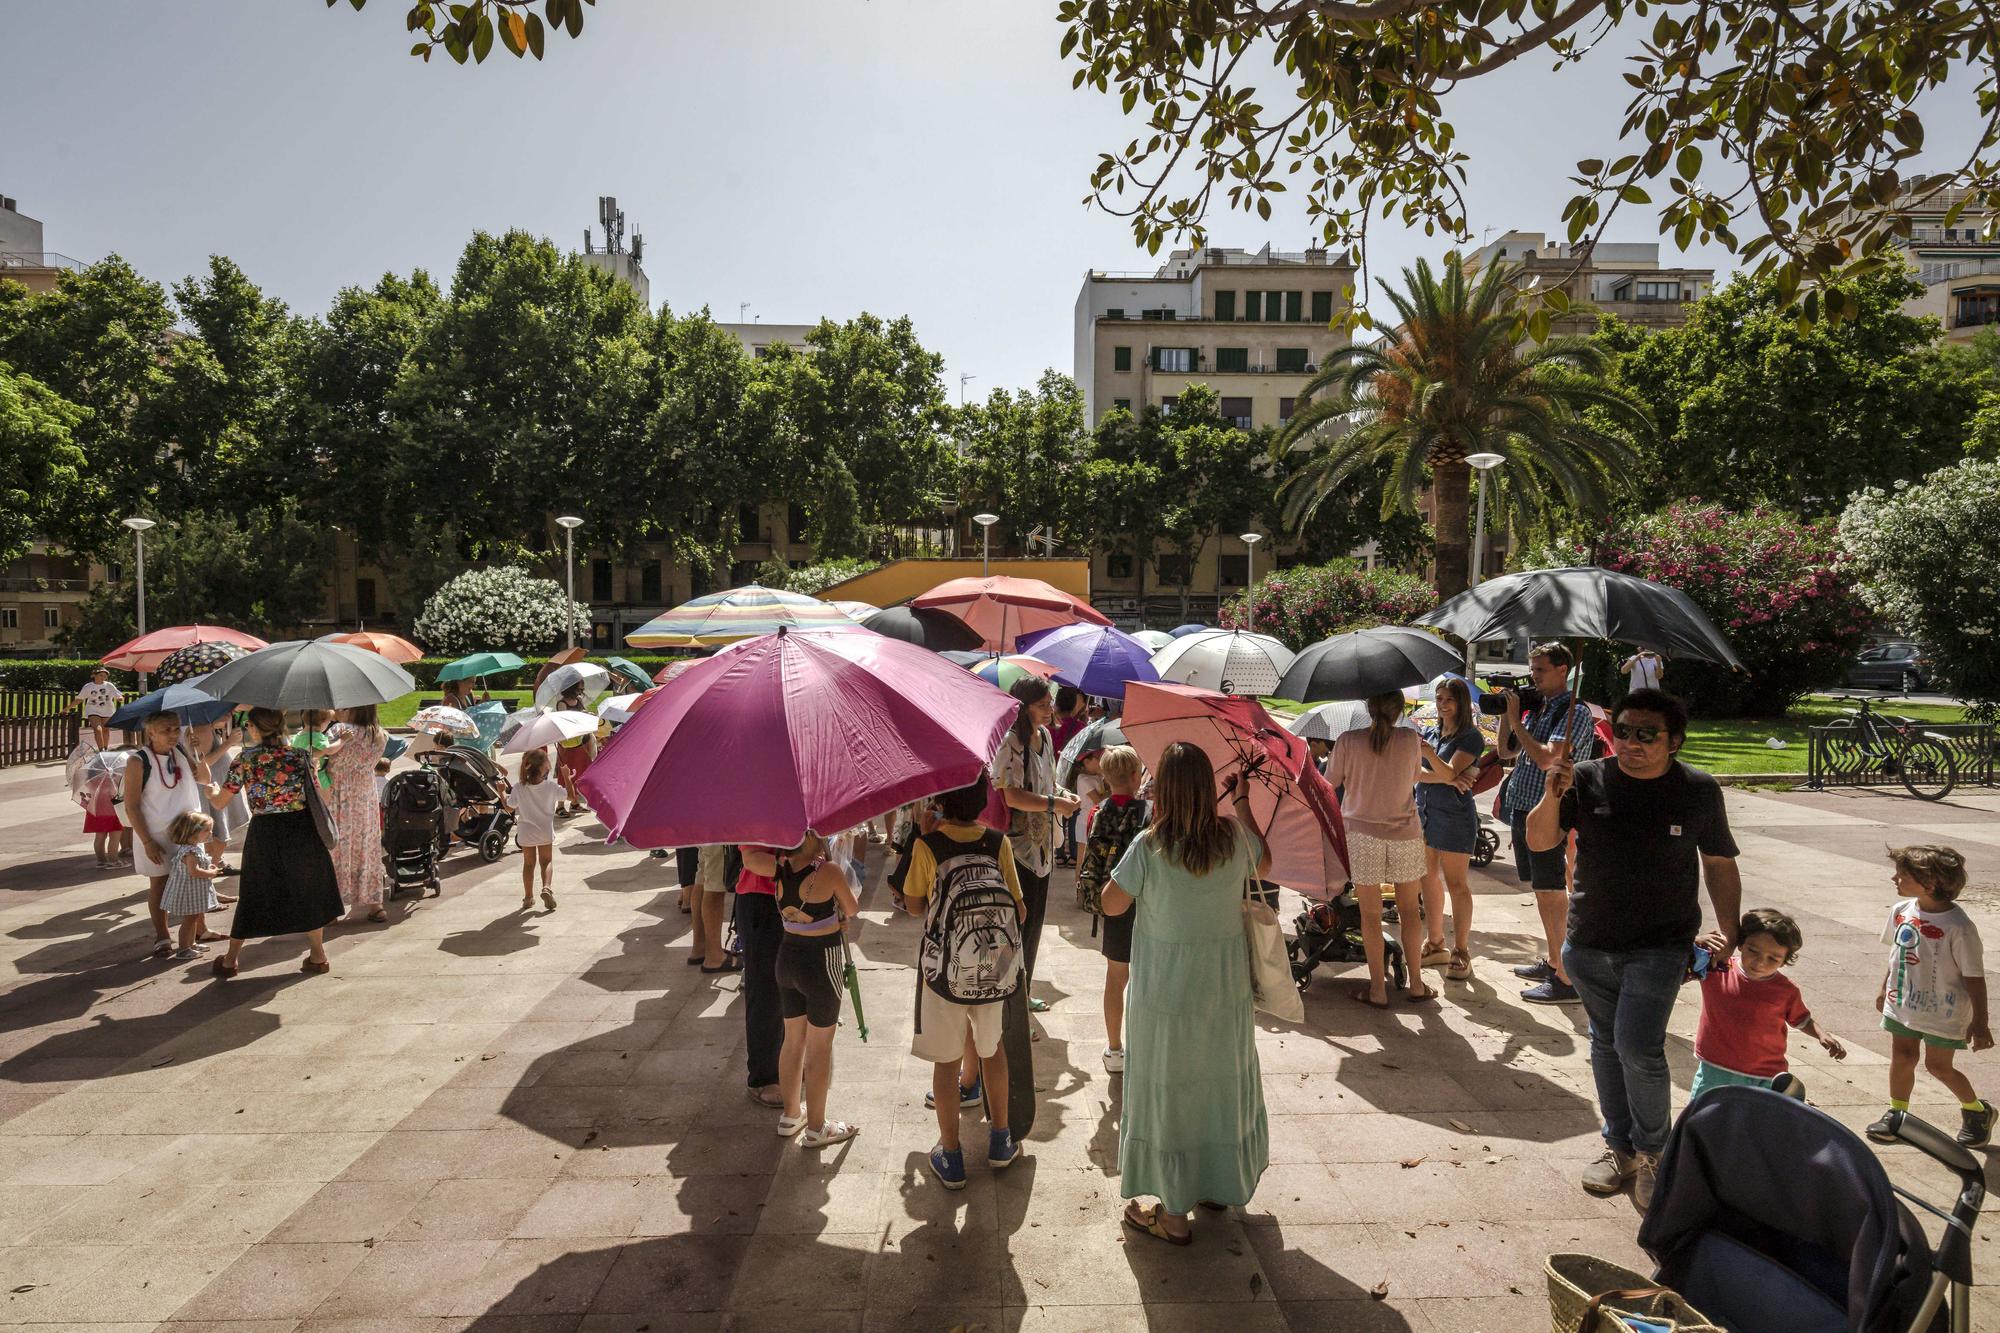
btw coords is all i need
(1002, 608)
(587, 677)
(194, 704)
(1301, 823)
(1154, 639)
(1096, 659)
(617, 709)
(823, 731)
(629, 672)
(489, 717)
(1182, 631)
(673, 669)
(442, 721)
(1234, 661)
(1006, 672)
(1101, 734)
(1328, 721)
(306, 674)
(1585, 603)
(740, 613)
(479, 664)
(197, 659)
(939, 631)
(392, 646)
(1366, 661)
(854, 610)
(152, 648)
(549, 726)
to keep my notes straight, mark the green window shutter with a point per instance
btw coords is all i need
(1121, 358)
(1292, 359)
(1225, 305)
(1294, 306)
(1274, 306)
(1253, 305)
(1322, 308)
(1124, 404)
(1232, 358)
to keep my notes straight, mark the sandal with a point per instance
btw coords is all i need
(696, 960)
(163, 948)
(1429, 996)
(548, 900)
(789, 1125)
(1149, 1222)
(322, 966)
(767, 1097)
(1460, 966)
(727, 966)
(223, 971)
(378, 915)
(209, 937)
(832, 1132)
(1361, 995)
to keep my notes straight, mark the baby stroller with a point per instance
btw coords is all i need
(413, 806)
(1330, 932)
(1487, 846)
(473, 785)
(1771, 1214)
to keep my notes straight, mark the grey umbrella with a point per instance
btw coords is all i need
(1585, 603)
(1365, 662)
(309, 674)
(927, 627)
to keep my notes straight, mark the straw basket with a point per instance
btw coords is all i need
(1588, 1295)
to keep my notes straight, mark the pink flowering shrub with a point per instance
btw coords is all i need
(1777, 587)
(1307, 603)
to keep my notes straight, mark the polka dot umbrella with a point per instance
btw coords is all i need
(197, 659)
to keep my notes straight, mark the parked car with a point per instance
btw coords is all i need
(1891, 666)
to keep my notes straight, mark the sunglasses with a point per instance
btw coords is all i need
(1643, 735)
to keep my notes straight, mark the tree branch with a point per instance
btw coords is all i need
(1510, 51)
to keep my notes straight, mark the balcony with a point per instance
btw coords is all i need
(39, 259)
(29, 583)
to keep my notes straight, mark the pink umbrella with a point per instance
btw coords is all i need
(1002, 608)
(156, 646)
(817, 730)
(1289, 799)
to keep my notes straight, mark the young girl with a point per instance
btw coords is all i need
(536, 798)
(313, 736)
(1933, 996)
(815, 901)
(1117, 821)
(98, 795)
(190, 891)
(1748, 1009)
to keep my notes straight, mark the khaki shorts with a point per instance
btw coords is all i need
(708, 872)
(942, 1026)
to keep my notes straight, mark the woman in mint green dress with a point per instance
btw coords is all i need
(1193, 1129)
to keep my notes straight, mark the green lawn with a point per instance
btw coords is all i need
(397, 712)
(1739, 745)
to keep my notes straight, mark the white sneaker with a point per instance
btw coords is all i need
(1114, 1060)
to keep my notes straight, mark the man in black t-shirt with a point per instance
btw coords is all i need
(1649, 830)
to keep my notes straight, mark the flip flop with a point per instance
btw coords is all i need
(1429, 996)
(726, 967)
(209, 937)
(773, 1100)
(1360, 994)
(1149, 1222)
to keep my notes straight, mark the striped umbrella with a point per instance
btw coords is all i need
(741, 613)
(197, 659)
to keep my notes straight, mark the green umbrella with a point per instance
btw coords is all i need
(631, 671)
(480, 664)
(853, 988)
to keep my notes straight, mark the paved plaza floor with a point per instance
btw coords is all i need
(537, 1122)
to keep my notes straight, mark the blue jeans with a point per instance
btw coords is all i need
(1628, 996)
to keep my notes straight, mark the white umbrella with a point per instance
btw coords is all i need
(1328, 721)
(1231, 660)
(549, 727)
(1154, 639)
(856, 610)
(616, 708)
(444, 721)
(592, 678)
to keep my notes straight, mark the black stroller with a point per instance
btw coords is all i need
(413, 813)
(474, 785)
(1330, 932)
(1770, 1214)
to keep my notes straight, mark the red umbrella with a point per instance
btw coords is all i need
(154, 647)
(1289, 799)
(394, 647)
(1001, 608)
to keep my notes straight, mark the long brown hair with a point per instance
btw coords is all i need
(1384, 712)
(1184, 819)
(1030, 690)
(1461, 705)
(365, 717)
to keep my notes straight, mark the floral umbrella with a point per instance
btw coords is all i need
(443, 721)
(197, 659)
(154, 647)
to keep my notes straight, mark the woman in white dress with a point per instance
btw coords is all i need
(162, 782)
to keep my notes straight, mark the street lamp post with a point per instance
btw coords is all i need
(985, 522)
(569, 524)
(1250, 540)
(1483, 463)
(139, 526)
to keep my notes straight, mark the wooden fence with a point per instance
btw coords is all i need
(36, 726)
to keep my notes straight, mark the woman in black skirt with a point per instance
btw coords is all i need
(287, 885)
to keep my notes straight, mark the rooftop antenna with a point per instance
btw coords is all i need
(962, 378)
(741, 306)
(613, 219)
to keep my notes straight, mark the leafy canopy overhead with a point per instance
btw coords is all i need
(1781, 131)
(468, 29)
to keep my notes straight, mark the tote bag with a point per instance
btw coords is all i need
(316, 802)
(1271, 985)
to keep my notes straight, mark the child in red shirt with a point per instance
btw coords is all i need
(1748, 1009)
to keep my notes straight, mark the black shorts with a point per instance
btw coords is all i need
(809, 978)
(1546, 872)
(1118, 935)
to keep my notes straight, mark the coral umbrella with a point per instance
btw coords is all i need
(392, 646)
(822, 731)
(154, 647)
(1001, 608)
(197, 659)
(1096, 659)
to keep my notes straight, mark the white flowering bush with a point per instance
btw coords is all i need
(500, 610)
(1928, 559)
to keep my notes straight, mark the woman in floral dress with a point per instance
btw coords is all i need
(357, 860)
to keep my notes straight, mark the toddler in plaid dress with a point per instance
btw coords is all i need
(190, 890)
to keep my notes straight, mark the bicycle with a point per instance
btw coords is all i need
(1895, 746)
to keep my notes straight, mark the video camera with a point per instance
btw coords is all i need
(1494, 701)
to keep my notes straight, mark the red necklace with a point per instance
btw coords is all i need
(170, 770)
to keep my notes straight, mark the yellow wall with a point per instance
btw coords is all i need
(900, 580)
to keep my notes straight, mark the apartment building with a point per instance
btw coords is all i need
(41, 593)
(758, 338)
(1958, 264)
(1253, 326)
(22, 258)
(1622, 278)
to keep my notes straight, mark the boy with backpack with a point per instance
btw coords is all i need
(1120, 818)
(960, 879)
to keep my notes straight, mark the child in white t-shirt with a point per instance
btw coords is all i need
(98, 700)
(1933, 996)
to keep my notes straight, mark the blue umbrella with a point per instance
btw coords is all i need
(195, 705)
(1096, 659)
(1182, 631)
(489, 717)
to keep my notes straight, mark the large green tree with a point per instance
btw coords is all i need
(1022, 453)
(47, 488)
(1456, 380)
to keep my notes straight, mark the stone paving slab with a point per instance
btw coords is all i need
(536, 1122)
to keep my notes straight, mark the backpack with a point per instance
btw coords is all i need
(970, 952)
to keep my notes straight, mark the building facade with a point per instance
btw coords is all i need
(40, 595)
(1622, 278)
(759, 339)
(22, 256)
(1959, 264)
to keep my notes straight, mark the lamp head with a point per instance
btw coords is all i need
(140, 524)
(1485, 462)
(986, 520)
(569, 521)
(1251, 538)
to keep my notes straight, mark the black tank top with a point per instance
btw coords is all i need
(791, 881)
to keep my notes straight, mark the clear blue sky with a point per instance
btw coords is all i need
(810, 157)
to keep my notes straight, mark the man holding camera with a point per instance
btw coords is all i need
(1649, 829)
(1528, 727)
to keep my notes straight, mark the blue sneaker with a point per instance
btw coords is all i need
(948, 1165)
(1001, 1150)
(1552, 991)
(972, 1097)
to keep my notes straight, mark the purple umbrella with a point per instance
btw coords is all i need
(1097, 659)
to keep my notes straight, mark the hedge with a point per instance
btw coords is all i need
(53, 673)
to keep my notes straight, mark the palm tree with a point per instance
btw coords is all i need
(1456, 378)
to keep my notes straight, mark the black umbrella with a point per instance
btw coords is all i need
(309, 674)
(1366, 662)
(927, 627)
(1585, 603)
